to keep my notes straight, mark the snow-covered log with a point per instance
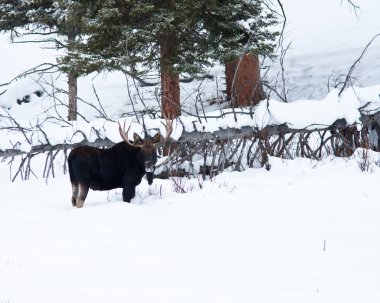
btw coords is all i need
(368, 121)
(210, 152)
(228, 138)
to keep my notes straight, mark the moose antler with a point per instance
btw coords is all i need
(124, 135)
(168, 128)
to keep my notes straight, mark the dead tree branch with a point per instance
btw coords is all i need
(350, 71)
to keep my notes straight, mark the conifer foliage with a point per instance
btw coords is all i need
(170, 36)
(53, 22)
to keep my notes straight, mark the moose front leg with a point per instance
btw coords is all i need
(129, 192)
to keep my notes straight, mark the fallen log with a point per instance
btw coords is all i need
(369, 121)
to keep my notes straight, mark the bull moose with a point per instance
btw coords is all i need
(120, 166)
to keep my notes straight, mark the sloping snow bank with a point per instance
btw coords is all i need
(302, 114)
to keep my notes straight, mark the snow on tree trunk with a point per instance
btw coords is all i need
(243, 83)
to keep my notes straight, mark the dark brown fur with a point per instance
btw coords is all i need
(121, 166)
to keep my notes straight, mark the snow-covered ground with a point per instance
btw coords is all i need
(305, 231)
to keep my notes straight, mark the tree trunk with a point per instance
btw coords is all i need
(170, 97)
(72, 78)
(243, 83)
(170, 91)
(73, 92)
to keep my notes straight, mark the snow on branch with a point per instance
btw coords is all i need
(350, 105)
(206, 143)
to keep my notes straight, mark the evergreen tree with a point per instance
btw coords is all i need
(171, 36)
(55, 21)
(138, 36)
(241, 30)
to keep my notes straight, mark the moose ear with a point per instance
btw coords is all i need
(157, 138)
(137, 139)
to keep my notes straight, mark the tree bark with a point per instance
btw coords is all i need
(243, 82)
(72, 78)
(73, 92)
(170, 93)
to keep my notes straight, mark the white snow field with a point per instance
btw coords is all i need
(303, 232)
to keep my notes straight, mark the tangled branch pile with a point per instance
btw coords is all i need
(210, 153)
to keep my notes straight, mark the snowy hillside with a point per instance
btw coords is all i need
(305, 231)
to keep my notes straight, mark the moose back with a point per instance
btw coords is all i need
(121, 166)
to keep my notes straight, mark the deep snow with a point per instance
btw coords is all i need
(305, 231)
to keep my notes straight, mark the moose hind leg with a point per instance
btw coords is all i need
(74, 188)
(82, 194)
